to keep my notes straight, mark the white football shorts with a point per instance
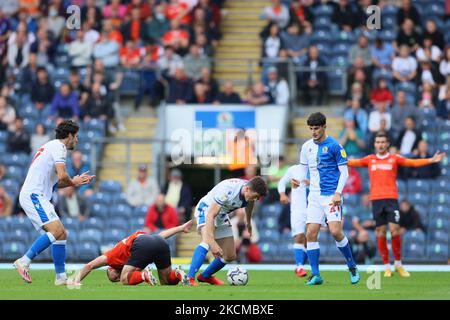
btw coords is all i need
(320, 209)
(38, 209)
(222, 222)
(298, 210)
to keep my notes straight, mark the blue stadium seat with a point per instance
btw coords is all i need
(92, 223)
(441, 198)
(110, 186)
(439, 236)
(439, 185)
(437, 252)
(121, 211)
(414, 251)
(388, 35)
(322, 24)
(4, 225)
(402, 186)
(71, 223)
(13, 250)
(96, 125)
(72, 234)
(341, 61)
(130, 83)
(429, 137)
(439, 223)
(321, 37)
(114, 235)
(322, 11)
(418, 198)
(408, 87)
(434, 9)
(285, 252)
(101, 198)
(419, 185)
(118, 223)
(417, 237)
(351, 199)
(99, 210)
(336, 82)
(268, 250)
(71, 253)
(271, 210)
(120, 199)
(44, 256)
(3, 136)
(87, 251)
(389, 11)
(341, 48)
(269, 235)
(444, 137)
(22, 223)
(136, 224)
(437, 210)
(90, 235)
(140, 212)
(15, 173)
(269, 223)
(16, 159)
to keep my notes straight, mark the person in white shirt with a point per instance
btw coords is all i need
(46, 173)
(278, 88)
(80, 50)
(143, 190)
(428, 51)
(404, 67)
(379, 113)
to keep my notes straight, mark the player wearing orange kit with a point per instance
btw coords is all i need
(382, 168)
(129, 258)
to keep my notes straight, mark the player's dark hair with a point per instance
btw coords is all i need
(65, 128)
(258, 185)
(316, 119)
(382, 135)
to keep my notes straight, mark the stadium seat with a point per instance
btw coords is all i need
(270, 223)
(3, 136)
(408, 87)
(439, 185)
(140, 212)
(130, 83)
(101, 198)
(419, 185)
(87, 251)
(429, 137)
(419, 198)
(388, 35)
(71, 223)
(72, 234)
(414, 251)
(15, 173)
(417, 237)
(136, 224)
(389, 11)
(92, 223)
(121, 211)
(439, 236)
(336, 82)
(269, 235)
(44, 256)
(351, 199)
(402, 186)
(13, 250)
(99, 210)
(18, 222)
(444, 137)
(114, 235)
(437, 252)
(120, 199)
(322, 11)
(110, 186)
(118, 223)
(4, 225)
(441, 198)
(439, 223)
(321, 37)
(271, 210)
(90, 235)
(268, 251)
(322, 24)
(71, 253)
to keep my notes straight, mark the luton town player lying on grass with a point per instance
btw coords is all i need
(214, 224)
(382, 168)
(128, 260)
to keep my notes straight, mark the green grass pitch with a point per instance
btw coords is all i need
(267, 285)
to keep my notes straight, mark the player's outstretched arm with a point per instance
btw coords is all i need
(172, 231)
(64, 179)
(94, 264)
(356, 163)
(438, 157)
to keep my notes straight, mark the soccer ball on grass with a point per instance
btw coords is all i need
(237, 276)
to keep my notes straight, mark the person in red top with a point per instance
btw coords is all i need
(381, 93)
(176, 37)
(130, 54)
(354, 182)
(129, 259)
(384, 195)
(144, 8)
(180, 10)
(161, 215)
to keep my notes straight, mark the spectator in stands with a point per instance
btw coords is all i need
(98, 106)
(113, 31)
(201, 41)
(115, 9)
(130, 55)
(77, 87)
(407, 11)
(301, 12)
(404, 66)
(284, 220)
(18, 52)
(276, 13)
(407, 36)
(211, 85)
(44, 47)
(382, 54)
(65, 103)
(78, 167)
(361, 50)
(169, 62)
(6, 205)
(147, 70)
(313, 82)
(157, 24)
(180, 88)
(358, 93)
(144, 8)
(277, 87)
(7, 115)
(272, 44)
(194, 62)
(352, 139)
(143, 190)
(91, 12)
(436, 36)
(160, 215)
(179, 195)
(107, 51)
(343, 16)
(200, 94)
(276, 172)
(409, 137)
(39, 138)
(358, 115)
(80, 50)
(91, 35)
(431, 171)
(383, 128)
(380, 112)
(354, 182)
(257, 96)
(19, 140)
(247, 251)
(295, 42)
(381, 93)
(427, 96)
(361, 74)
(56, 22)
(443, 108)
(176, 37)
(135, 29)
(444, 66)
(42, 91)
(428, 51)
(73, 205)
(283, 64)
(409, 218)
(400, 111)
(228, 95)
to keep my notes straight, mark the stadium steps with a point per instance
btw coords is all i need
(240, 44)
(114, 162)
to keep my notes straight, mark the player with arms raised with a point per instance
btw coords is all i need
(327, 164)
(214, 224)
(298, 214)
(47, 172)
(382, 168)
(129, 258)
